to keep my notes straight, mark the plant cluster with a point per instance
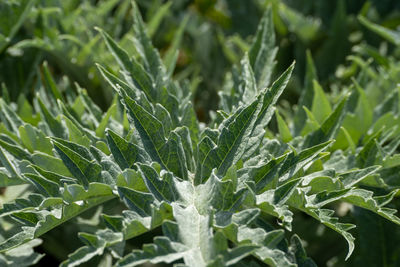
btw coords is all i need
(239, 190)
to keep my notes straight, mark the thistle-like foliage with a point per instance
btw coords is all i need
(207, 190)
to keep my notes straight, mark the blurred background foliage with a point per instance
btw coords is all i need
(215, 35)
(343, 39)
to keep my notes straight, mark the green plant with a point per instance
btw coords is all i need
(221, 194)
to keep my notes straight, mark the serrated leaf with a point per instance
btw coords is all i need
(141, 78)
(282, 169)
(96, 245)
(270, 97)
(75, 135)
(82, 255)
(15, 150)
(162, 189)
(326, 218)
(50, 163)
(53, 123)
(34, 140)
(125, 153)
(162, 250)
(263, 51)
(22, 256)
(48, 221)
(298, 250)
(273, 202)
(9, 118)
(328, 128)
(137, 201)
(267, 252)
(48, 187)
(84, 170)
(168, 152)
(149, 55)
(351, 178)
(238, 130)
(218, 194)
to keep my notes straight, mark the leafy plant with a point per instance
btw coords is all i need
(226, 193)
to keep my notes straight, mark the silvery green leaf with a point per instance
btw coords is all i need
(263, 51)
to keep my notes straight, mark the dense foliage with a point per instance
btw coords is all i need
(126, 162)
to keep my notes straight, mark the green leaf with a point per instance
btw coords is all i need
(389, 35)
(82, 255)
(168, 152)
(187, 144)
(137, 201)
(198, 241)
(329, 127)
(272, 202)
(48, 187)
(84, 170)
(267, 241)
(171, 56)
(141, 78)
(162, 250)
(364, 199)
(6, 181)
(162, 188)
(52, 176)
(283, 168)
(75, 135)
(239, 131)
(220, 194)
(22, 256)
(9, 118)
(50, 163)
(270, 97)
(231, 142)
(284, 131)
(352, 178)
(263, 51)
(247, 83)
(34, 139)
(94, 111)
(155, 21)
(321, 108)
(369, 153)
(377, 239)
(25, 111)
(125, 153)
(298, 250)
(17, 13)
(358, 123)
(15, 150)
(101, 129)
(53, 123)
(149, 55)
(116, 83)
(49, 82)
(51, 220)
(298, 201)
